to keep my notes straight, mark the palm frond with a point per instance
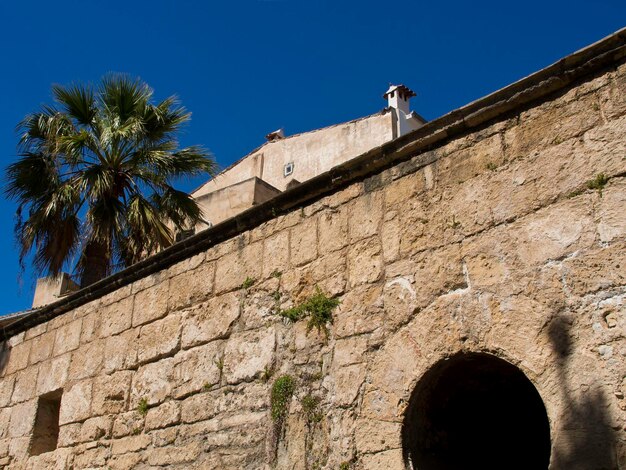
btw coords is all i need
(78, 101)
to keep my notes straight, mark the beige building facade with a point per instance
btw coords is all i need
(478, 269)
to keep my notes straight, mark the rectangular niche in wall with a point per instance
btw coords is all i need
(46, 432)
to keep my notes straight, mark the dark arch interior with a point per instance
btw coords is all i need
(476, 411)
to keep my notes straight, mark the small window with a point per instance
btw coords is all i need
(288, 169)
(46, 432)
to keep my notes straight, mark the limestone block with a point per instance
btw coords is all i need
(173, 455)
(303, 241)
(91, 456)
(95, 429)
(150, 304)
(22, 419)
(612, 223)
(164, 437)
(403, 189)
(376, 436)
(87, 361)
(160, 338)
(53, 374)
(596, 269)
(120, 351)
(67, 337)
(125, 461)
(350, 351)
(333, 230)
(111, 393)
(247, 355)
(210, 321)
(390, 236)
(69, 435)
(188, 264)
(348, 381)
(200, 407)
(191, 286)
(163, 415)
(130, 444)
(116, 317)
(35, 331)
(6, 390)
(18, 357)
(18, 448)
(365, 216)
(41, 348)
(381, 405)
(153, 382)
(5, 421)
(276, 253)
(91, 327)
(360, 311)
(390, 459)
(233, 268)
(197, 369)
(25, 385)
(436, 273)
(365, 262)
(128, 423)
(76, 403)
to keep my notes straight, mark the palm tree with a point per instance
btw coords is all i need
(95, 174)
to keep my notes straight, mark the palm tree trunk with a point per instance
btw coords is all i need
(95, 264)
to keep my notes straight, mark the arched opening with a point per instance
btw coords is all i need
(476, 411)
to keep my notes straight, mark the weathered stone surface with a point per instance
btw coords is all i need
(120, 351)
(234, 268)
(130, 444)
(41, 348)
(276, 254)
(67, 337)
(304, 242)
(150, 304)
(210, 321)
(365, 216)
(159, 339)
(153, 382)
(365, 262)
(197, 368)
(53, 374)
(248, 355)
(333, 230)
(22, 419)
(116, 317)
(25, 385)
(111, 393)
(6, 390)
(191, 286)
(18, 357)
(87, 361)
(76, 403)
(163, 415)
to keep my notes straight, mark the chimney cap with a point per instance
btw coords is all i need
(276, 135)
(401, 89)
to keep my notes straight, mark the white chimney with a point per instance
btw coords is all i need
(398, 97)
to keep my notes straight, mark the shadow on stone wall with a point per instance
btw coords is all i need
(5, 353)
(587, 441)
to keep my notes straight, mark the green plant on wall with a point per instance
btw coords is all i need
(318, 308)
(598, 183)
(282, 391)
(142, 406)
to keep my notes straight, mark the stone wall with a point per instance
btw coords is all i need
(496, 244)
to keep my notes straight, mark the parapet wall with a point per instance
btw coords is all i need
(490, 241)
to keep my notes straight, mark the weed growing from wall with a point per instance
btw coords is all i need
(282, 391)
(318, 309)
(142, 407)
(598, 183)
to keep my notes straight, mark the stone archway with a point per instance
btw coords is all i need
(475, 411)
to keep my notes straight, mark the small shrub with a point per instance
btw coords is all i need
(142, 407)
(344, 466)
(282, 391)
(267, 374)
(492, 166)
(598, 183)
(276, 274)
(249, 282)
(318, 308)
(219, 363)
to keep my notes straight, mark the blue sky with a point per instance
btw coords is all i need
(247, 67)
